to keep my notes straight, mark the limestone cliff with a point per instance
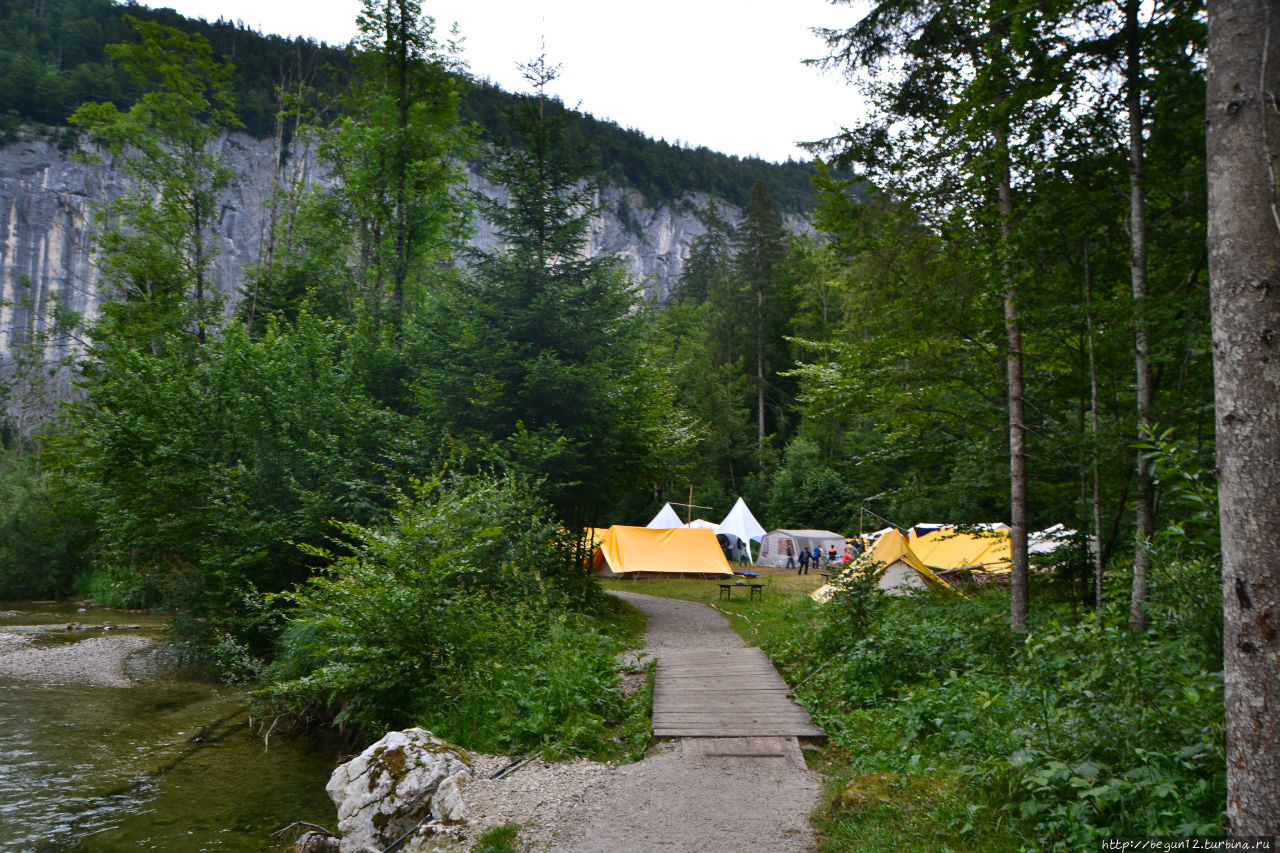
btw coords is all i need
(48, 197)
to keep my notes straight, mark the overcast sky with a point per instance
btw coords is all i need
(726, 74)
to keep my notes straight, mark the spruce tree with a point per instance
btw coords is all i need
(760, 253)
(534, 360)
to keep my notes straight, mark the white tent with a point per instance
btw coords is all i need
(773, 546)
(741, 523)
(666, 519)
(1048, 540)
(703, 523)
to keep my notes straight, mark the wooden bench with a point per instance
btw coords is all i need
(754, 590)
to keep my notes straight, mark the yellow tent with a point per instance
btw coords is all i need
(898, 567)
(949, 549)
(592, 537)
(635, 551)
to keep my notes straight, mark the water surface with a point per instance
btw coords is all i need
(166, 764)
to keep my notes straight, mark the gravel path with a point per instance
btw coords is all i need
(670, 801)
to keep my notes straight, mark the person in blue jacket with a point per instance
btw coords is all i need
(804, 562)
(817, 557)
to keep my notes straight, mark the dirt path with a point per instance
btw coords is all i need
(678, 799)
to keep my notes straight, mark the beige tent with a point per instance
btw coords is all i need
(648, 552)
(898, 569)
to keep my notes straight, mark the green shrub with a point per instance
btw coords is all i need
(42, 534)
(1074, 732)
(443, 618)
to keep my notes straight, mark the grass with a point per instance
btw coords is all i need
(500, 839)
(750, 618)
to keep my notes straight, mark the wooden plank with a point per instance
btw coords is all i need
(729, 693)
(738, 751)
(798, 731)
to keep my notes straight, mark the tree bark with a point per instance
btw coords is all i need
(1018, 594)
(1095, 406)
(1145, 499)
(1244, 272)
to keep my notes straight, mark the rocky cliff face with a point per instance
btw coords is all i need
(48, 197)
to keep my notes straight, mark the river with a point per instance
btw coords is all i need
(165, 763)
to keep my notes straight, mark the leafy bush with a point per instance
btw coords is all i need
(41, 533)
(1074, 732)
(443, 618)
(200, 469)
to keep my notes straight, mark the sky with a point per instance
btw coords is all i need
(725, 74)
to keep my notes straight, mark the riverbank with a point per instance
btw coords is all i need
(108, 743)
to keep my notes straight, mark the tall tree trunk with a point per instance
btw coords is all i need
(760, 377)
(1019, 600)
(1244, 273)
(1145, 520)
(197, 228)
(1095, 407)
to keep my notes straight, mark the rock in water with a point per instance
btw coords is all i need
(394, 785)
(316, 842)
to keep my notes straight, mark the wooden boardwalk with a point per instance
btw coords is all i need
(724, 693)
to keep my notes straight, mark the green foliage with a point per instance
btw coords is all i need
(804, 493)
(156, 241)
(535, 359)
(42, 536)
(444, 618)
(1075, 733)
(500, 839)
(394, 214)
(199, 472)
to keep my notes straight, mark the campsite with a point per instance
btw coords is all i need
(496, 471)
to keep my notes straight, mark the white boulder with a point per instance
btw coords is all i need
(403, 780)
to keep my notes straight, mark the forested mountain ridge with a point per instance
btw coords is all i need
(50, 192)
(52, 58)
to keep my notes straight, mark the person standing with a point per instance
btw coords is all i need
(817, 557)
(791, 554)
(831, 555)
(804, 562)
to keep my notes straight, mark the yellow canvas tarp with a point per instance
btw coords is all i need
(651, 551)
(949, 549)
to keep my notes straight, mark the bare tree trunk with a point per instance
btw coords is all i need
(1095, 406)
(760, 377)
(1244, 273)
(1018, 594)
(1145, 498)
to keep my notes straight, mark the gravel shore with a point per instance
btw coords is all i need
(99, 660)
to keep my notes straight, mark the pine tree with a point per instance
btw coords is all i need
(534, 359)
(760, 252)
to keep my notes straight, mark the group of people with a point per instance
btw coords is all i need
(815, 557)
